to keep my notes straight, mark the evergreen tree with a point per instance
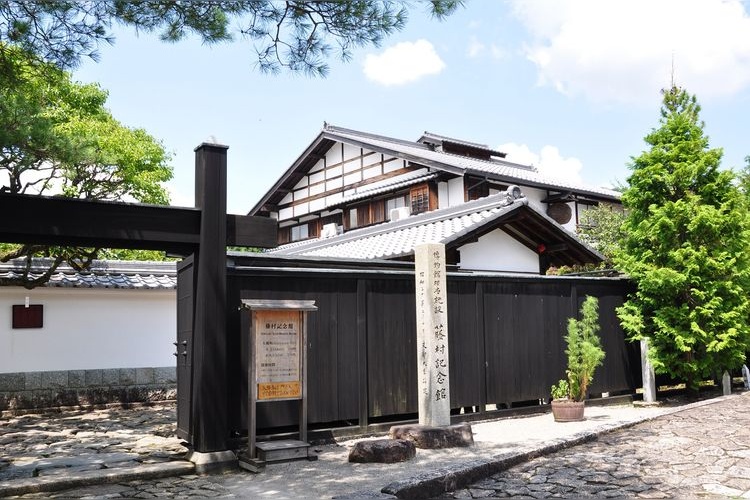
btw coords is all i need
(297, 35)
(58, 138)
(686, 249)
(584, 350)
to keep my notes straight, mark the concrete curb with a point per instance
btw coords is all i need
(448, 479)
(89, 478)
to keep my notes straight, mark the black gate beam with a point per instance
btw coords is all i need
(105, 224)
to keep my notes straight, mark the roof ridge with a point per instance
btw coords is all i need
(456, 140)
(342, 130)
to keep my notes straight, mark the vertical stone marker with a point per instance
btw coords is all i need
(432, 334)
(647, 370)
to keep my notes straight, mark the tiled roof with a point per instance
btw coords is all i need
(419, 154)
(430, 138)
(396, 183)
(398, 238)
(133, 275)
(502, 170)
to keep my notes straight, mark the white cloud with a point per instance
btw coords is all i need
(498, 52)
(622, 50)
(475, 48)
(548, 162)
(403, 63)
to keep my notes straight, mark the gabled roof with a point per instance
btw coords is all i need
(454, 226)
(133, 275)
(424, 155)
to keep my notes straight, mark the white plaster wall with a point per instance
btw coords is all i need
(534, 194)
(89, 329)
(498, 251)
(537, 195)
(455, 191)
(443, 195)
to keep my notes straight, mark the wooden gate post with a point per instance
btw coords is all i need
(209, 384)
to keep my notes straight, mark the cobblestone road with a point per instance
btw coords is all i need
(48, 444)
(697, 453)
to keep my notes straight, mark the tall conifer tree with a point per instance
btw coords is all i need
(686, 248)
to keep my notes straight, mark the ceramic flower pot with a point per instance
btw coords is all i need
(565, 410)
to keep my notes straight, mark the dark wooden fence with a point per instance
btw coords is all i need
(506, 338)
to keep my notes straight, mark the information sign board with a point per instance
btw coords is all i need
(277, 354)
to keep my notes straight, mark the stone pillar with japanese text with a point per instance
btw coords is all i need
(432, 334)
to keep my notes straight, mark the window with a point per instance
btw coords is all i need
(28, 317)
(300, 232)
(479, 189)
(395, 203)
(353, 221)
(420, 200)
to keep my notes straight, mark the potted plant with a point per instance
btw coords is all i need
(585, 354)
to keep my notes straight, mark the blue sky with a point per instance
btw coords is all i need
(570, 86)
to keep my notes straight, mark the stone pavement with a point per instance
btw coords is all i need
(695, 453)
(144, 437)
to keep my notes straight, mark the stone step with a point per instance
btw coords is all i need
(88, 478)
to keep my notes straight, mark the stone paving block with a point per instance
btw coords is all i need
(165, 375)
(5, 398)
(66, 398)
(43, 398)
(12, 382)
(33, 380)
(127, 376)
(76, 378)
(144, 376)
(111, 376)
(54, 380)
(92, 378)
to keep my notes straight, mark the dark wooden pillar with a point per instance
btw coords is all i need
(209, 393)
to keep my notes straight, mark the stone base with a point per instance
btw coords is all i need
(213, 462)
(85, 388)
(384, 451)
(427, 437)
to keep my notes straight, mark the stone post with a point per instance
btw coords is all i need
(649, 379)
(432, 334)
(726, 383)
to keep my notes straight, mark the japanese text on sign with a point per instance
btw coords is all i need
(277, 354)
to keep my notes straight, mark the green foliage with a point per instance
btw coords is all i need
(296, 34)
(584, 350)
(601, 227)
(129, 254)
(686, 249)
(57, 138)
(561, 389)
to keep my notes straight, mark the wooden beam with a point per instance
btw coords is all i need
(105, 224)
(252, 231)
(75, 222)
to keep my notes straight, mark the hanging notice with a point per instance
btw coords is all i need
(277, 358)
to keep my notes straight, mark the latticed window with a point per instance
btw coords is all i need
(420, 200)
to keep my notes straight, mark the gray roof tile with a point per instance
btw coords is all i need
(501, 169)
(398, 238)
(133, 275)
